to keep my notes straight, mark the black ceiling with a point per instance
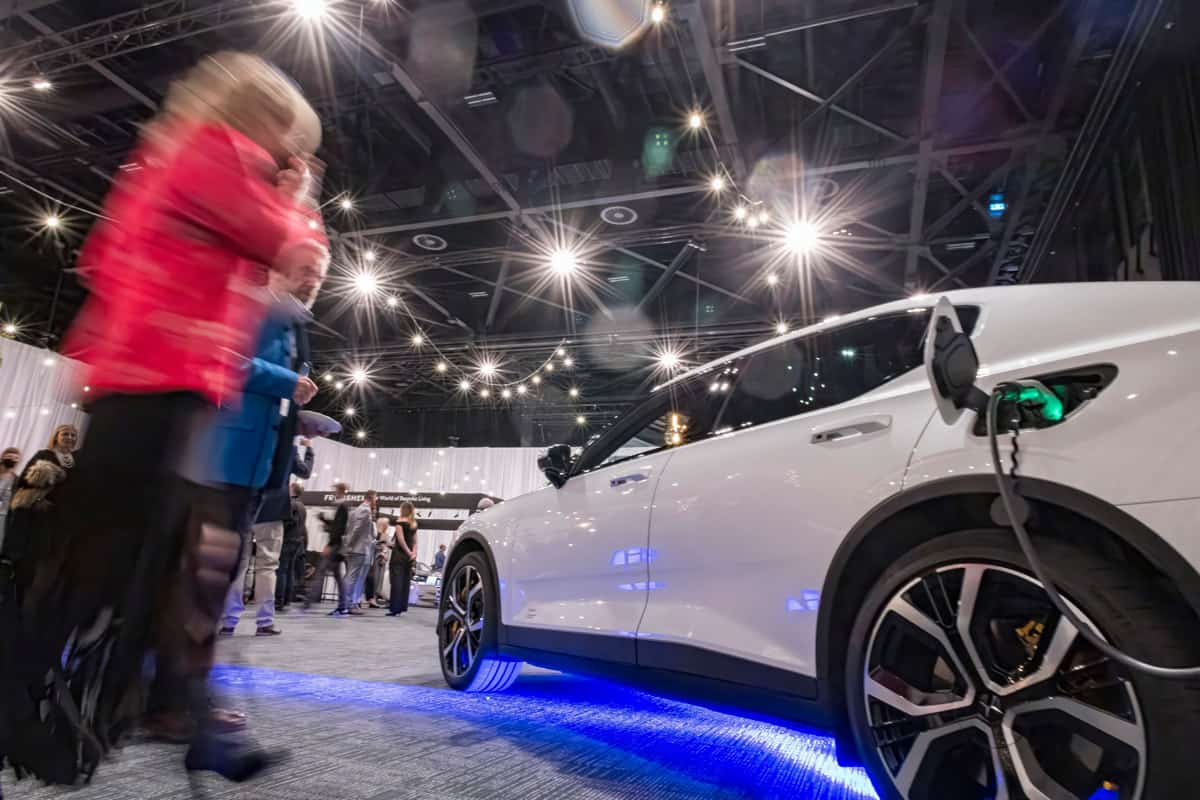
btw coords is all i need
(891, 122)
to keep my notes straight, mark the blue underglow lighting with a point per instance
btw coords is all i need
(692, 751)
(810, 600)
(633, 555)
(641, 586)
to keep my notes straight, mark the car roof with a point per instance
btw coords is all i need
(1027, 297)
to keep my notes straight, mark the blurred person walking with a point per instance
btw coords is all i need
(9, 460)
(216, 197)
(295, 545)
(331, 555)
(357, 548)
(377, 584)
(404, 558)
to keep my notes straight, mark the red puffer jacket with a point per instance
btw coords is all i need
(178, 266)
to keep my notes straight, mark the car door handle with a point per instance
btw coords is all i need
(853, 429)
(637, 477)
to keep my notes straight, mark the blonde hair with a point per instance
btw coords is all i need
(407, 509)
(243, 91)
(58, 432)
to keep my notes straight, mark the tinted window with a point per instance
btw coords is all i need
(823, 370)
(677, 415)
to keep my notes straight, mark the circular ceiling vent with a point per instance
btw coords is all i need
(618, 215)
(429, 241)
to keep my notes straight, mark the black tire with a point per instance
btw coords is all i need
(1124, 604)
(470, 588)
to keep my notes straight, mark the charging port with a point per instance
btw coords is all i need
(1044, 401)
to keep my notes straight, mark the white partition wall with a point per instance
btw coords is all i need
(38, 391)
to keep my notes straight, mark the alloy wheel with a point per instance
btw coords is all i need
(975, 687)
(462, 621)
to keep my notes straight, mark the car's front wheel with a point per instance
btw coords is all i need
(964, 682)
(467, 630)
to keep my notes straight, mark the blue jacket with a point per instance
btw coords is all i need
(244, 437)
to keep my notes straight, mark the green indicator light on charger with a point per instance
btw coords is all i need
(1051, 405)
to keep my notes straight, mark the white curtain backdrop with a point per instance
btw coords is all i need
(499, 471)
(38, 390)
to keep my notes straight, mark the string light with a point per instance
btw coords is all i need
(763, 217)
(521, 388)
(536, 380)
(740, 213)
(772, 279)
(802, 237)
(347, 204)
(717, 184)
(349, 411)
(42, 85)
(488, 369)
(10, 329)
(360, 435)
(581, 420)
(358, 375)
(339, 386)
(560, 352)
(418, 340)
(549, 368)
(393, 301)
(781, 327)
(369, 256)
(485, 392)
(668, 359)
(441, 367)
(367, 283)
(573, 392)
(568, 362)
(658, 13)
(52, 221)
(506, 393)
(695, 120)
(752, 223)
(464, 385)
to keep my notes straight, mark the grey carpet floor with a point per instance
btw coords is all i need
(361, 707)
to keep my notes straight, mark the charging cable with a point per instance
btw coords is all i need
(1008, 497)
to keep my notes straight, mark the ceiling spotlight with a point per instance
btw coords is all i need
(328, 378)
(358, 375)
(695, 120)
(339, 386)
(717, 184)
(549, 368)
(563, 262)
(310, 9)
(52, 221)
(668, 359)
(560, 352)
(658, 13)
(488, 369)
(772, 280)
(349, 412)
(347, 204)
(393, 301)
(418, 340)
(739, 213)
(752, 223)
(485, 392)
(763, 217)
(506, 393)
(312, 224)
(441, 367)
(781, 327)
(536, 380)
(464, 385)
(581, 420)
(568, 362)
(10, 329)
(360, 435)
(521, 388)
(42, 85)
(366, 283)
(369, 256)
(801, 237)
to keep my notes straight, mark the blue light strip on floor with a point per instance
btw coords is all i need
(703, 751)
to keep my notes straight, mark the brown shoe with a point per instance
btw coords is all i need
(271, 631)
(356, 612)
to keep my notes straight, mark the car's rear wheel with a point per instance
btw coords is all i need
(963, 681)
(467, 640)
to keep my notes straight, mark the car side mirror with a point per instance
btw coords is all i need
(952, 364)
(556, 464)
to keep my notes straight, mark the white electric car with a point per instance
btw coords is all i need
(889, 602)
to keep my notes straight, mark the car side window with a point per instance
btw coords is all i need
(825, 369)
(682, 414)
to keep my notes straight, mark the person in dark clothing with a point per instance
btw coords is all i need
(439, 558)
(295, 544)
(331, 556)
(404, 557)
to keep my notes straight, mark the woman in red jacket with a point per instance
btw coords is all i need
(213, 199)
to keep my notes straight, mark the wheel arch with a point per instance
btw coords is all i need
(471, 542)
(941, 507)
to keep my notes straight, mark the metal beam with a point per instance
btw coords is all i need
(963, 192)
(973, 260)
(750, 42)
(104, 71)
(946, 271)
(441, 120)
(1033, 162)
(879, 55)
(436, 306)
(497, 293)
(12, 8)
(998, 75)
(693, 14)
(981, 189)
(660, 285)
(816, 98)
(935, 62)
